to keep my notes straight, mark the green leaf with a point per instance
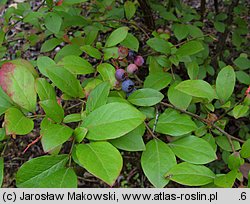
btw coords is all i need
(159, 45)
(243, 77)
(80, 133)
(131, 42)
(75, 117)
(132, 141)
(112, 120)
(156, 161)
(178, 98)
(193, 150)
(65, 81)
(91, 51)
(98, 97)
(45, 90)
(130, 9)
(145, 97)
(240, 111)
(194, 31)
(44, 166)
(49, 3)
(193, 69)
(76, 65)
(210, 139)
(2, 134)
(18, 82)
(197, 88)
(101, 159)
(242, 62)
(117, 36)
(180, 31)
(50, 44)
(173, 123)
(224, 144)
(16, 123)
(63, 178)
(235, 161)
(190, 174)
(157, 80)
(53, 22)
(1, 171)
(107, 71)
(225, 83)
(53, 110)
(190, 48)
(111, 52)
(55, 135)
(5, 101)
(43, 63)
(219, 26)
(245, 151)
(68, 50)
(227, 180)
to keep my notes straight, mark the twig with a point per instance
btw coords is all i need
(75, 105)
(229, 137)
(32, 143)
(150, 131)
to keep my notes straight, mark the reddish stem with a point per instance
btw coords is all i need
(32, 143)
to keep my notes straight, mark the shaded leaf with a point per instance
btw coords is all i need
(117, 36)
(157, 80)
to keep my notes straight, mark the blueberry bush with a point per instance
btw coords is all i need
(94, 83)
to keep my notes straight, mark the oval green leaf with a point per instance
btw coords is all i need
(117, 36)
(16, 123)
(225, 83)
(157, 80)
(145, 97)
(245, 151)
(65, 81)
(156, 161)
(190, 174)
(55, 135)
(173, 123)
(197, 88)
(63, 178)
(132, 141)
(193, 150)
(101, 159)
(112, 120)
(45, 90)
(44, 166)
(53, 110)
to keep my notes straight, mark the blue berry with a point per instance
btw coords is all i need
(128, 94)
(120, 75)
(131, 55)
(128, 86)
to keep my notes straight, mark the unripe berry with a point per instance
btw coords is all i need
(128, 86)
(122, 52)
(120, 75)
(139, 61)
(132, 68)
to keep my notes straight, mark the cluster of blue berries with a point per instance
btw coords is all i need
(121, 75)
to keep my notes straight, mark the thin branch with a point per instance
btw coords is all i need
(150, 131)
(32, 143)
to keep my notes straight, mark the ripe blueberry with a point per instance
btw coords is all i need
(139, 61)
(128, 86)
(132, 68)
(131, 55)
(120, 75)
